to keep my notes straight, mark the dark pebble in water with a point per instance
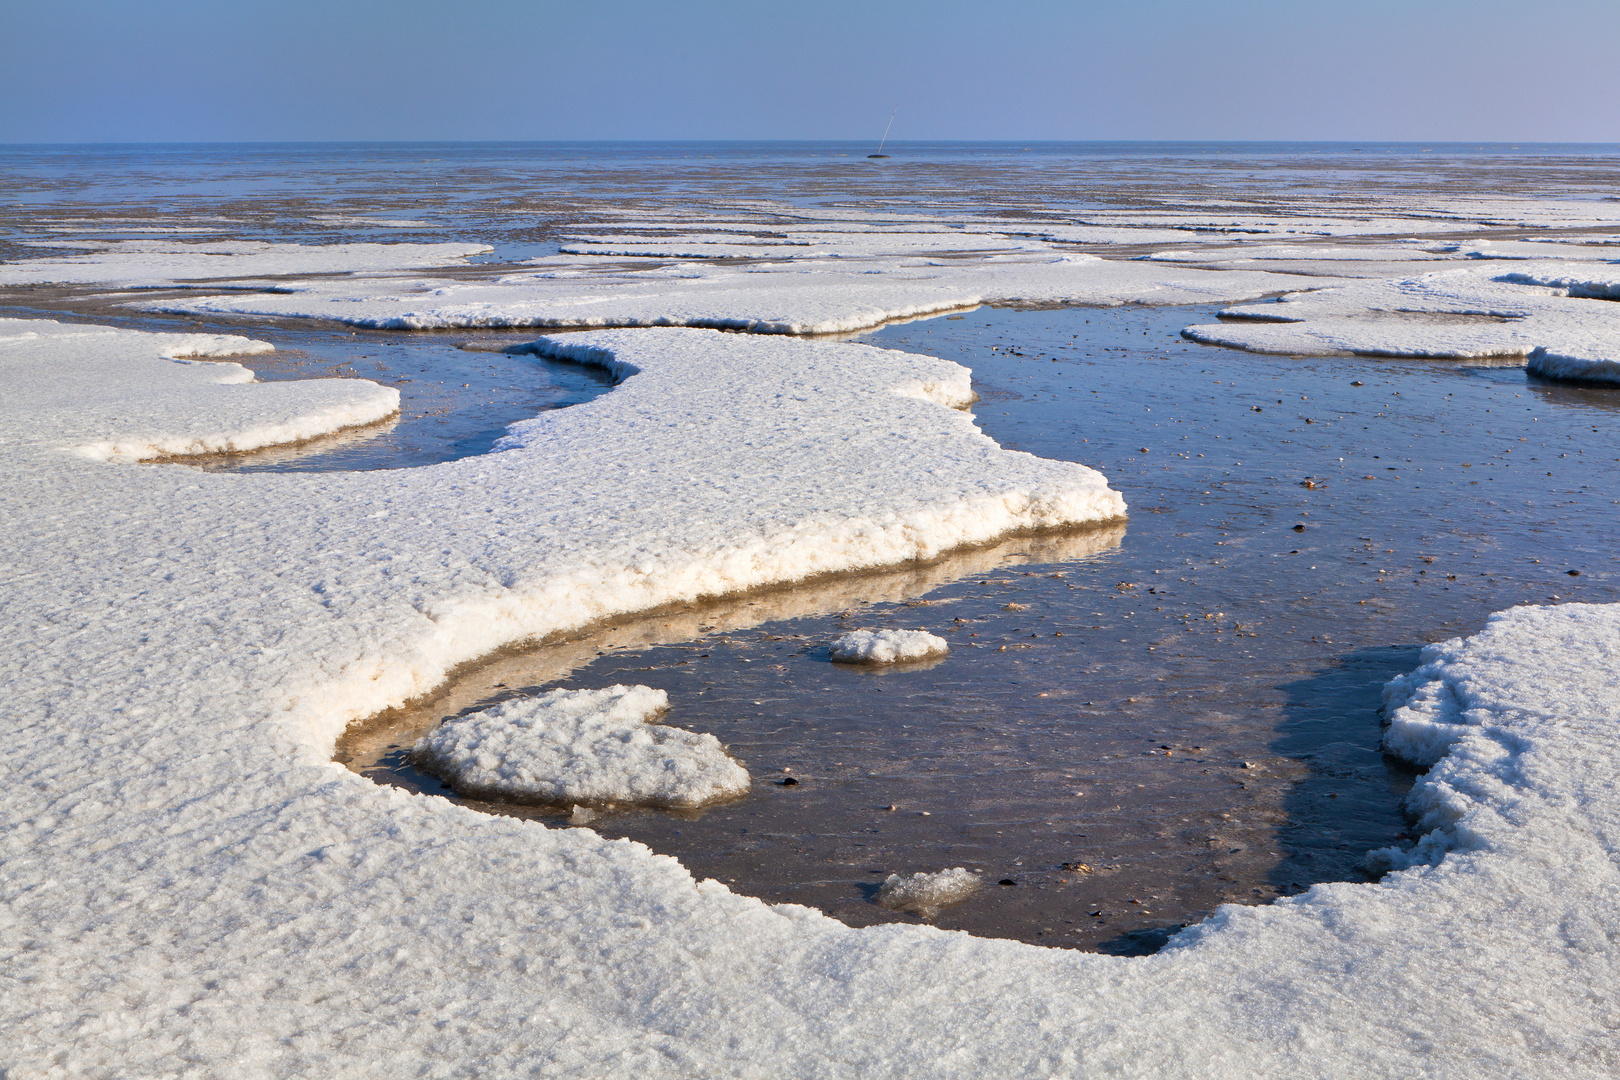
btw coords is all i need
(1299, 528)
(788, 781)
(1573, 573)
(1358, 382)
(1006, 881)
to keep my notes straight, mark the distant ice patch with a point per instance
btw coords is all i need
(887, 646)
(582, 746)
(924, 894)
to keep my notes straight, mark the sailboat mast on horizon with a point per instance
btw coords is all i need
(885, 138)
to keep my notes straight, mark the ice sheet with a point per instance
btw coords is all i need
(161, 262)
(785, 298)
(1452, 314)
(191, 886)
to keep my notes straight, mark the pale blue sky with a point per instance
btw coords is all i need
(185, 70)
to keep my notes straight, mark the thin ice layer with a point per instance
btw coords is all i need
(190, 885)
(582, 746)
(887, 646)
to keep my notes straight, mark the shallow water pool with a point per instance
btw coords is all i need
(1135, 724)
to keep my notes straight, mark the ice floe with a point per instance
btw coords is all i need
(1601, 366)
(887, 646)
(188, 879)
(925, 894)
(812, 297)
(581, 746)
(1451, 314)
(162, 262)
(187, 403)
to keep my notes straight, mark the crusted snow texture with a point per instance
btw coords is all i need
(887, 646)
(1593, 366)
(581, 746)
(189, 885)
(925, 894)
(1450, 314)
(809, 297)
(203, 407)
(161, 262)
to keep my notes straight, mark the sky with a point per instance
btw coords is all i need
(274, 70)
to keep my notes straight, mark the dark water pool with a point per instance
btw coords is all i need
(1134, 724)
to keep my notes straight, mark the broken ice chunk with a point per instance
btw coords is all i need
(924, 894)
(584, 747)
(887, 646)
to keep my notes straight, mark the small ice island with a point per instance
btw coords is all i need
(924, 894)
(887, 646)
(581, 746)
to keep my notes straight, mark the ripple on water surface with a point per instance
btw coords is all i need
(1137, 723)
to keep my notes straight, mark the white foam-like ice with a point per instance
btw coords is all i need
(188, 404)
(189, 885)
(1601, 366)
(812, 297)
(924, 893)
(162, 262)
(887, 646)
(1455, 314)
(582, 746)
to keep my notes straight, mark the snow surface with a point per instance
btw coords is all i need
(163, 262)
(1594, 366)
(925, 894)
(1456, 314)
(186, 405)
(581, 746)
(809, 297)
(887, 646)
(189, 886)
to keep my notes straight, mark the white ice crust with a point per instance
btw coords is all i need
(1452, 314)
(887, 646)
(163, 262)
(189, 886)
(1601, 365)
(582, 746)
(812, 297)
(924, 893)
(186, 403)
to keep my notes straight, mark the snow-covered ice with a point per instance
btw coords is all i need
(163, 262)
(188, 885)
(1593, 365)
(1479, 311)
(187, 403)
(924, 893)
(887, 646)
(581, 746)
(811, 297)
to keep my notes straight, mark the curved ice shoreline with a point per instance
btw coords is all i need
(187, 879)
